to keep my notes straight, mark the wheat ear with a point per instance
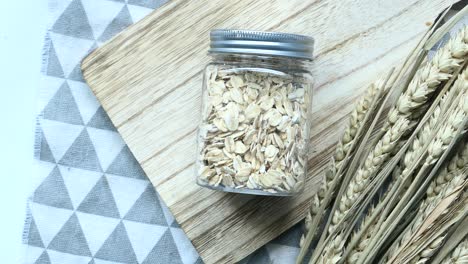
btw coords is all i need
(456, 164)
(364, 238)
(332, 253)
(342, 149)
(421, 225)
(459, 255)
(426, 81)
(429, 77)
(360, 239)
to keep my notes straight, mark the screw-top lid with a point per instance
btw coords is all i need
(261, 43)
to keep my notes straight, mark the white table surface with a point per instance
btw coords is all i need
(22, 28)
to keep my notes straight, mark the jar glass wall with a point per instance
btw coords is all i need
(254, 131)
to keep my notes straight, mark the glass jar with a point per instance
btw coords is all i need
(254, 130)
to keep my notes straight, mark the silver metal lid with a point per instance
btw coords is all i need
(261, 43)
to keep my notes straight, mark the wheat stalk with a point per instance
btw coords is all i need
(459, 255)
(446, 176)
(343, 146)
(360, 240)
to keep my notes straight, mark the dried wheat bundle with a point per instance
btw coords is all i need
(444, 138)
(427, 80)
(408, 161)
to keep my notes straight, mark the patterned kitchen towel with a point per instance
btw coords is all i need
(91, 202)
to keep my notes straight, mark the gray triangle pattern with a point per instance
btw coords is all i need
(82, 154)
(148, 3)
(100, 201)
(74, 22)
(76, 74)
(147, 209)
(53, 191)
(126, 165)
(95, 46)
(101, 120)
(117, 247)
(175, 224)
(54, 68)
(70, 239)
(291, 237)
(62, 107)
(258, 257)
(45, 153)
(199, 261)
(120, 22)
(92, 262)
(43, 259)
(34, 238)
(165, 251)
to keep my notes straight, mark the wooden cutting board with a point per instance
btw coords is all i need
(148, 79)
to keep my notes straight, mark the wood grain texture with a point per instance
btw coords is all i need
(148, 79)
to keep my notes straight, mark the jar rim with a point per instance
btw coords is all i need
(261, 43)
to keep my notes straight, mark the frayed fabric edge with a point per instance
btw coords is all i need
(37, 142)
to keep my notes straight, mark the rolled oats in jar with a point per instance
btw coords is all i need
(254, 132)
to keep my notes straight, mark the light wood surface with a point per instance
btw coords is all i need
(148, 79)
